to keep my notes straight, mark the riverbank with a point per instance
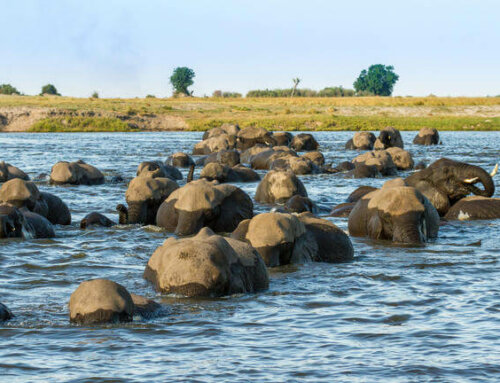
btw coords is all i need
(67, 114)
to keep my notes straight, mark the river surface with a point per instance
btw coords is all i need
(395, 314)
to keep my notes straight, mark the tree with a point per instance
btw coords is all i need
(181, 79)
(378, 80)
(8, 89)
(49, 89)
(95, 94)
(295, 84)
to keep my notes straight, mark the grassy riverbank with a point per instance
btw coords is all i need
(65, 114)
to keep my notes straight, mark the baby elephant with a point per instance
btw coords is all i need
(95, 219)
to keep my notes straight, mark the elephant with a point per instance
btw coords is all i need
(304, 142)
(95, 219)
(298, 165)
(474, 207)
(144, 197)
(157, 169)
(397, 213)
(446, 181)
(333, 244)
(362, 170)
(98, 301)
(223, 173)
(252, 136)
(300, 204)
(5, 313)
(37, 225)
(25, 194)
(401, 158)
(206, 265)
(279, 187)
(202, 203)
(388, 138)
(264, 159)
(8, 172)
(229, 157)
(316, 157)
(280, 238)
(427, 136)
(228, 129)
(361, 141)
(180, 160)
(381, 159)
(12, 222)
(344, 166)
(247, 155)
(214, 144)
(344, 209)
(283, 138)
(75, 173)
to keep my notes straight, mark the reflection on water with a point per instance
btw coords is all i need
(394, 314)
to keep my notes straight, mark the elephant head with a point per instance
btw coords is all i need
(446, 181)
(75, 173)
(388, 138)
(144, 196)
(12, 222)
(395, 212)
(203, 203)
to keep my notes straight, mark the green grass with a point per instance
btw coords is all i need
(82, 124)
(356, 123)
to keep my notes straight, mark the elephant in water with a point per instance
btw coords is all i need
(8, 172)
(201, 203)
(474, 207)
(396, 213)
(144, 196)
(75, 173)
(427, 136)
(22, 223)
(206, 265)
(388, 138)
(25, 194)
(446, 181)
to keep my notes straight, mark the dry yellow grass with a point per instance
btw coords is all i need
(349, 113)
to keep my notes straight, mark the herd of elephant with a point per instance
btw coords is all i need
(221, 247)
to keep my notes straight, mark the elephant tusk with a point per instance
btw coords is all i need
(471, 180)
(494, 171)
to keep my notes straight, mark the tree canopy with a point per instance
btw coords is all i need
(49, 89)
(378, 80)
(8, 89)
(181, 79)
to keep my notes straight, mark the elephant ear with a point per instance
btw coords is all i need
(234, 208)
(167, 216)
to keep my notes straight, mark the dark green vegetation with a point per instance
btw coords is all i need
(181, 80)
(333, 91)
(8, 89)
(49, 89)
(379, 80)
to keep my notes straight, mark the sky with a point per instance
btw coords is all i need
(129, 48)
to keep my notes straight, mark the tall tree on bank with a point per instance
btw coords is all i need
(295, 84)
(181, 79)
(378, 80)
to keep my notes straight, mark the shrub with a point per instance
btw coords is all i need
(150, 96)
(49, 89)
(8, 89)
(95, 95)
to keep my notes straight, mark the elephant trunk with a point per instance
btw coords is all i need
(410, 229)
(122, 214)
(472, 174)
(189, 222)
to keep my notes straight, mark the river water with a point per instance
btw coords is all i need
(395, 314)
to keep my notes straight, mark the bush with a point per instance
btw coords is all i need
(150, 96)
(326, 92)
(82, 124)
(95, 95)
(8, 89)
(49, 89)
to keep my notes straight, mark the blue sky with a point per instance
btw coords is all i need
(129, 48)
